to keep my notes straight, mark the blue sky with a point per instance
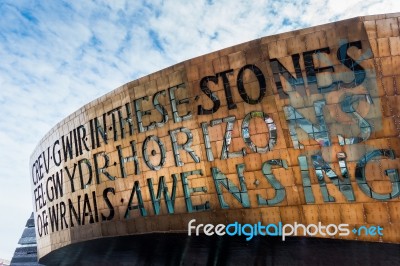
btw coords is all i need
(55, 56)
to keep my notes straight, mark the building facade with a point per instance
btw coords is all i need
(297, 128)
(26, 253)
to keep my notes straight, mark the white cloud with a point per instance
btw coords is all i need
(56, 56)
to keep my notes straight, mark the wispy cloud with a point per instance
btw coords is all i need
(55, 56)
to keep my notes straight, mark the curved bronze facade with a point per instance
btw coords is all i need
(300, 127)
